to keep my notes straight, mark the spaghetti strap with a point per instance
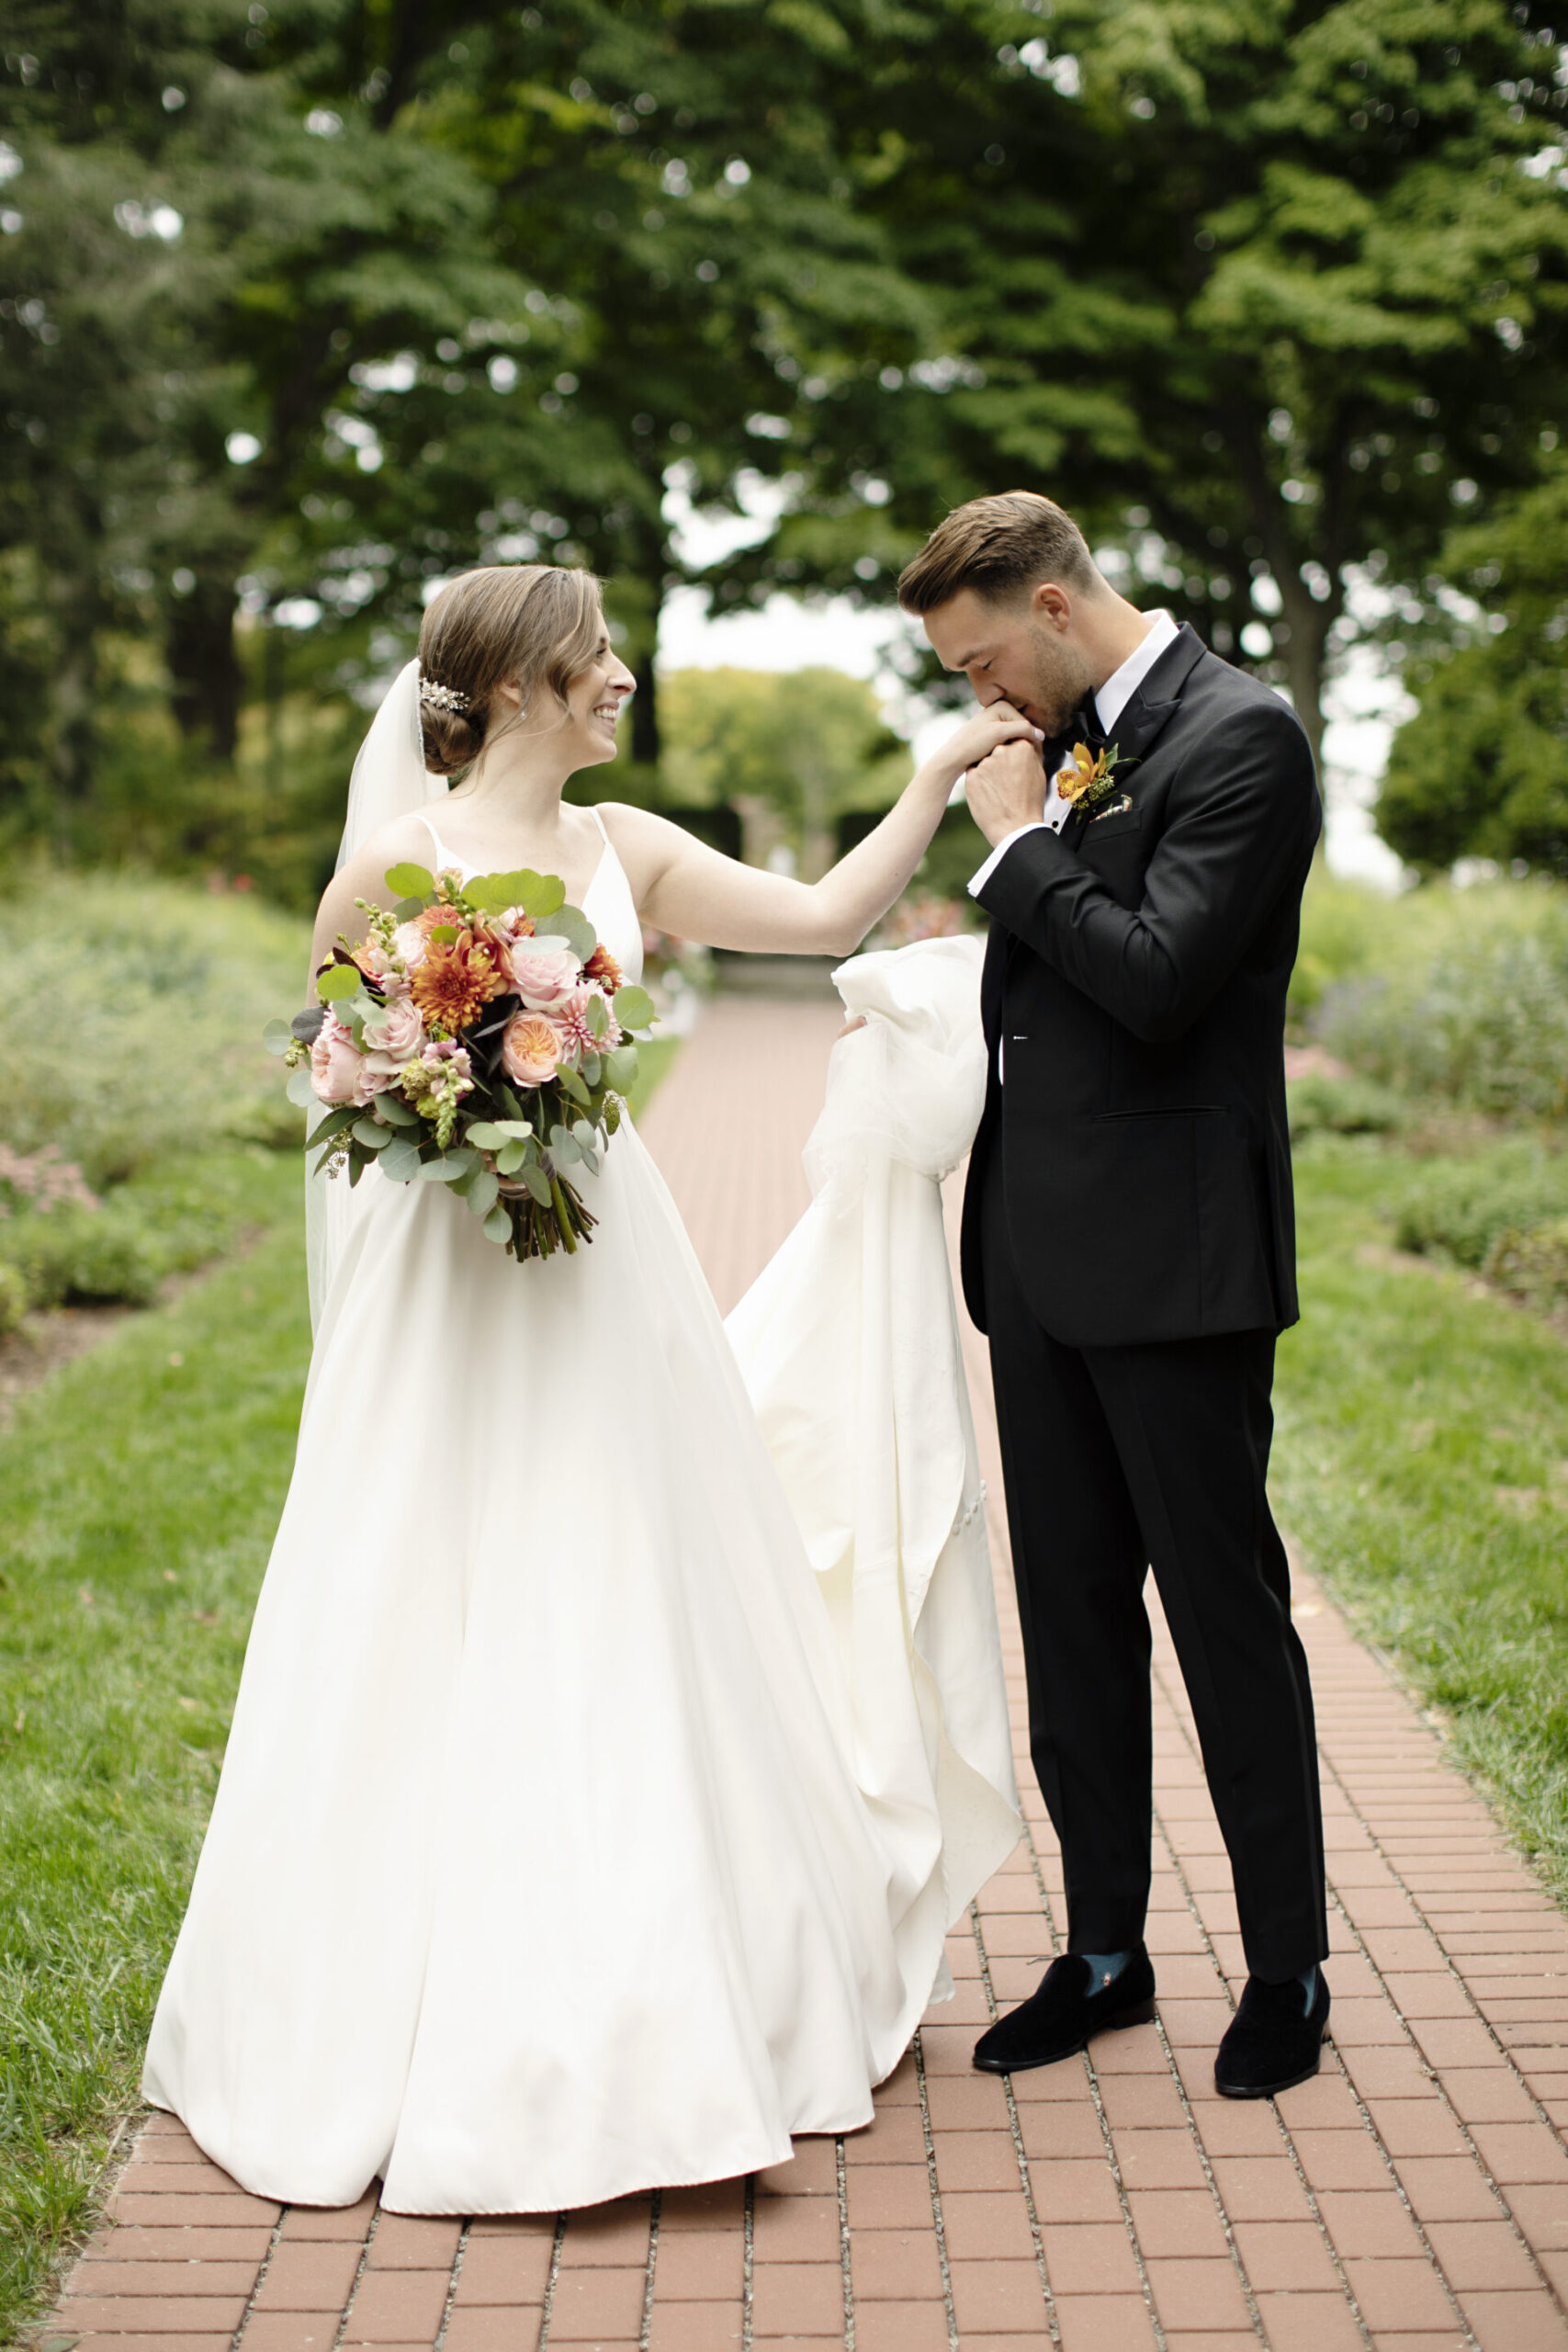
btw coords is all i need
(442, 859)
(594, 812)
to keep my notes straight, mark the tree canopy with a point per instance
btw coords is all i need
(309, 305)
(1481, 770)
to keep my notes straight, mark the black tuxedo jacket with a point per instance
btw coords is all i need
(1135, 975)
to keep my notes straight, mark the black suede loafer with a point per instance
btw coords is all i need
(1065, 2009)
(1271, 2042)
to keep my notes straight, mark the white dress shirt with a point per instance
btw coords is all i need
(1109, 701)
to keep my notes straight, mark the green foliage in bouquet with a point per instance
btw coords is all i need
(479, 1036)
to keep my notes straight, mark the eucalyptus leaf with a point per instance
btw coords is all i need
(299, 1090)
(332, 1124)
(490, 1134)
(571, 1086)
(590, 1161)
(406, 909)
(391, 1106)
(441, 1172)
(307, 1026)
(583, 1133)
(635, 1008)
(400, 1160)
(484, 1191)
(572, 925)
(620, 1065)
(374, 1137)
(497, 1225)
(356, 1171)
(597, 1015)
(338, 981)
(538, 1183)
(277, 1037)
(410, 881)
(537, 894)
(510, 1158)
(593, 1068)
(565, 1147)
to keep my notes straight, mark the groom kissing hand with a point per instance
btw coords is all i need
(1129, 1247)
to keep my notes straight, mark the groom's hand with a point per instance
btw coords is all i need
(983, 732)
(1006, 789)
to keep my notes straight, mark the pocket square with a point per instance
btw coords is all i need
(1112, 808)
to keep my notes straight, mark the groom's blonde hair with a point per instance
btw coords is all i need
(1001, 548)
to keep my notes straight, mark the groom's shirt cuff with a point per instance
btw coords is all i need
(1051, 820)
(978, 881)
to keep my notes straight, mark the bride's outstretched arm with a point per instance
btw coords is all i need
(695, 892)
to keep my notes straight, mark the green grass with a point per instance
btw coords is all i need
(1422, 1466)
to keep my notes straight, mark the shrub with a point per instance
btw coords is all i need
(1343, 1106)
(1533, 1263)
(13, 1298)
(1466, 997)
(134, 1010)
(82, 1254)
(1465, 1208)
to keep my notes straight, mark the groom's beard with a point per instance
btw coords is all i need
(1061, 686)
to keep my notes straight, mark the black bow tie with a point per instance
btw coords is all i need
(1087, 728)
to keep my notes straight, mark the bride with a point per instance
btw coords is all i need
(558, 1851)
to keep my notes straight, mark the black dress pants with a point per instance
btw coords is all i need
(1116, 1459)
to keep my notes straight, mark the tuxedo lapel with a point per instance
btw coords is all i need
(1140, 725)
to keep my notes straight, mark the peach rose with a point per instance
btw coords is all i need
(336, 1067)
(544, 974)
(531, 1049)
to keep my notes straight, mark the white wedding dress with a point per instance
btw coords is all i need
(573, 1837)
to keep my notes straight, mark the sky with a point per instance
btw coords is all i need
(1364, 705)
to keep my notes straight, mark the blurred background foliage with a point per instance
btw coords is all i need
(308, 305)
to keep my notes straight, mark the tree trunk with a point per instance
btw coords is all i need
(645, 743)
(205, 668)
(1306, 621)
(1308, 624)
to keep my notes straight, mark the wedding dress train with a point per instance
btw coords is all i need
(577, 1832)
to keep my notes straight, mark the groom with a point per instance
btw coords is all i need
(1129, 1248)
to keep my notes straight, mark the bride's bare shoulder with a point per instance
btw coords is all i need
(406, 838)
(643, 841)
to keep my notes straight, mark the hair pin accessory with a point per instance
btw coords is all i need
(438, 697)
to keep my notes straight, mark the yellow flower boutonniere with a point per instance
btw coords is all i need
(1089, 778)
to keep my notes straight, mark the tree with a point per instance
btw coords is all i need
(1481, 770)
(792, 751)
(1266, 292)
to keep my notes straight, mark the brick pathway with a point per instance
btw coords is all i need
(1413, 2197)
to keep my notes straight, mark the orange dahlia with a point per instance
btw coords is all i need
(602, 967)
(456, 980)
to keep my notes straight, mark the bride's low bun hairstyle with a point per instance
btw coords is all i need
(533, 625)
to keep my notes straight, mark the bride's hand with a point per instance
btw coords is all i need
(856, 1021)
(984, 734)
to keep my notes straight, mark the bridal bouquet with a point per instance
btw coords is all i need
(478, 1037)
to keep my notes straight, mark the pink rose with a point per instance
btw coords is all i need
(531, 1049)
(396, 1030)
(409, 943)
(543, 974)
(336, 1068)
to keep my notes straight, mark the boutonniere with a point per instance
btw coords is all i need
(1089, 778)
